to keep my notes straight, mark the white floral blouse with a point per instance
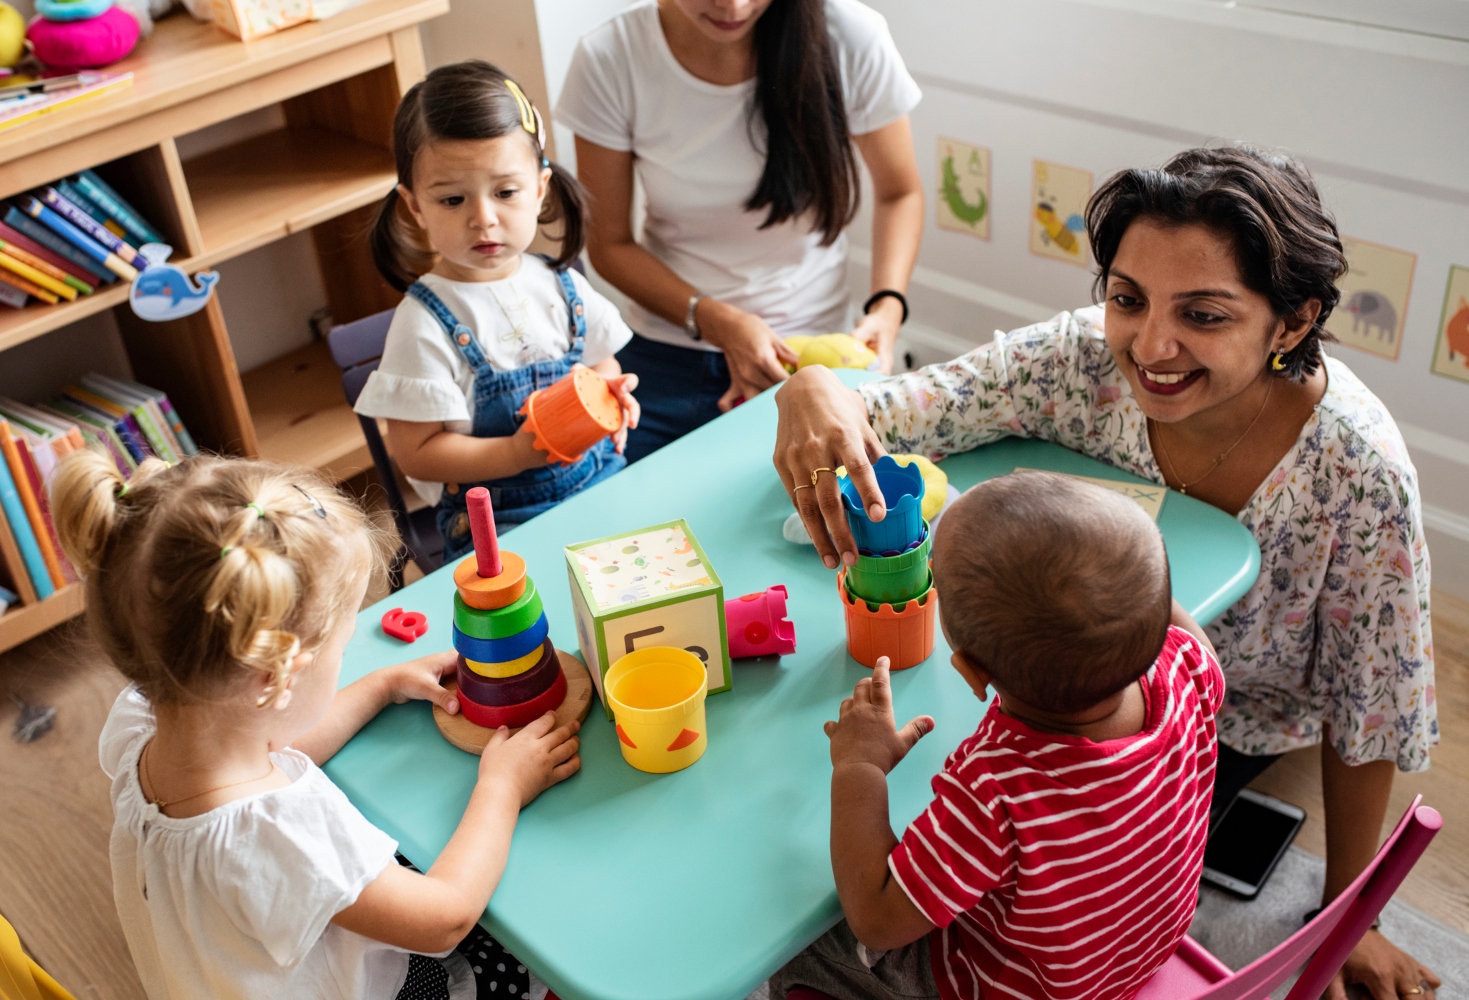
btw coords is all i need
(1336, 627)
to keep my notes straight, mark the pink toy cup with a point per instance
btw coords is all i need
(758, 625)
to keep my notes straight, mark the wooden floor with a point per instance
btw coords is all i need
(56, 889)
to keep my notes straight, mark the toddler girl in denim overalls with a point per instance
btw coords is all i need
(488, 324)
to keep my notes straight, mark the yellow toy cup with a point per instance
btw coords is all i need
(657, 698)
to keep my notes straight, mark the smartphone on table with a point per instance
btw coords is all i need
(1249, 842)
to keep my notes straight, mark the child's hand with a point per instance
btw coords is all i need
(526, 452)
(418, 680)
(622, 387)
(866, 733)
(533, 759)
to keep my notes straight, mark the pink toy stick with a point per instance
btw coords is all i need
(482, 530)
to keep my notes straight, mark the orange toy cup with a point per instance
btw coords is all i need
(905, 637)
(572, 415)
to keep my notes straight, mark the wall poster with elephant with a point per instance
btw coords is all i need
(1374, 298)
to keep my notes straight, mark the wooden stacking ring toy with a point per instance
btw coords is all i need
(491, 593)
(517, 715)
(499, 623)
(505, 668)
(500, 650)
(501, 691)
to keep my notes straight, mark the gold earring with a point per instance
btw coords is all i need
(1277, 361)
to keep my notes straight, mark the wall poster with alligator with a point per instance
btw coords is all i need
(963, 204)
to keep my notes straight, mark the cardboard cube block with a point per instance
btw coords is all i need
(650, 587)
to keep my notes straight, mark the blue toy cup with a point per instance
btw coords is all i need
(902, 495)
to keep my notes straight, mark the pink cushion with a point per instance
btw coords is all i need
(85, 44)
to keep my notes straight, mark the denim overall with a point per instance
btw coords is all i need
(498, 396)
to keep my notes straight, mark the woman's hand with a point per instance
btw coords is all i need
(879, 330)
(418, 680)
(1385, 970)
(757, 356)
(823, 425)
(534, 759)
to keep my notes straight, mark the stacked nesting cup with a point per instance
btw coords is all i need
(509, 673)
(888, 595)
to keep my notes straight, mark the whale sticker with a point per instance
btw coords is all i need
(164, 291)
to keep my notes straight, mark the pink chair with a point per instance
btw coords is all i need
(1194, 974)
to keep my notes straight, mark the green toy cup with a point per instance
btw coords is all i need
(893, 579)
(897, 606)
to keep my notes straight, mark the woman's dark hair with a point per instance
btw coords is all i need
(1285, 243)
(467, 100)
(809, 165)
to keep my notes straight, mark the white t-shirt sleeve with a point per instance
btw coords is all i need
(417, 378)
(878, 87)
(294, 862)
(596, 99)
(607, 332)
(130, 720)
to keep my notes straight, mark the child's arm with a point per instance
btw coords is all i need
(865, 746)
(1185, 621)
(430, 452)
(622, 386)
(359, 702)
(434, 911)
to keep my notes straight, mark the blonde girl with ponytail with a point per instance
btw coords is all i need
(226, 591)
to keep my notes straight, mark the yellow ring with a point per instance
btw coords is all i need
(817, 472)
(507, 668)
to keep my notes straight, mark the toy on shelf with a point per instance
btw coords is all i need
(509, 672)
(831, 350)
(657, 699)
(405, 626)
(569, 417)
(81, 34)
(249, 19)
(650, 587)
(887, 596)
(12, 35)
(758, 625)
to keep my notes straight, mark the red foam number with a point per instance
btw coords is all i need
(405, 625)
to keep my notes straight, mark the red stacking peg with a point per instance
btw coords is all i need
(482, 529)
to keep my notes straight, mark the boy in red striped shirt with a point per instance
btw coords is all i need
(1060, 856)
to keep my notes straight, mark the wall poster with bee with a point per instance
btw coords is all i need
(1058, 196)
(1374, 298)
(963, 204)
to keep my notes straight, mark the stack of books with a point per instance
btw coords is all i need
(122, 419)
(34, 98)
(69, 239)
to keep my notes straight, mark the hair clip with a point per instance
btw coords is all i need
(527, 110)
(316, 506)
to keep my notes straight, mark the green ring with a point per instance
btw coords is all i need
(502, 623)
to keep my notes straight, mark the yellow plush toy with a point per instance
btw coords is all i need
(935, 484)
(833, 350)
(12, 35)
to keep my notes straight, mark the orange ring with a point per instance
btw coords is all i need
(496, 591)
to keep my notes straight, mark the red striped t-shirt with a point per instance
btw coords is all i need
(1059, 868)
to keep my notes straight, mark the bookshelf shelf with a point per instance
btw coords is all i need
(338, 83)
(300, 415)
(254, 192)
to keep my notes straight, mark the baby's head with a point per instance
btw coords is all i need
(1056, 588)
(216, 578)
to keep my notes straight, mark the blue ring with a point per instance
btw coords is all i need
(500, 650)
(74, 10)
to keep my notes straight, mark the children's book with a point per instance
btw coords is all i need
(144, 406)
(74, 194)
(104, 237)
(96, 430)
(100, 192)
(98, 253)
(91, 87)
(35, 275)
(142, 410)
(16, 514)
(127, 426)
(12, 565)
(14, 280)
(43, 265)
(36, 463)
(79, 277)
(41, 450)
(12, 296)
(7, 598)
(24, 224)
(180, 432)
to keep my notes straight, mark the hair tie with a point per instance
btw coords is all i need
(259, 510)
(121, 492)
(527, 111)
(316, 506)
(226, 551)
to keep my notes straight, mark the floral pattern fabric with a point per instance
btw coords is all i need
(1334, 631)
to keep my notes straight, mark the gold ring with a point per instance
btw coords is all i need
(816, 472)
(1413, 992)
(803, 486)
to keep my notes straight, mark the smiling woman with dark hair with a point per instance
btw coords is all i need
(743, 121)
(1204, 371)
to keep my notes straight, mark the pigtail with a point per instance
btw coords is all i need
(566, 204)
(390, 249)
(86, 499)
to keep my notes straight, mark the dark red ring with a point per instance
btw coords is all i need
(502, 691)
(516, 716)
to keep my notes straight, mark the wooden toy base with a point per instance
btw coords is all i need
(471, 738)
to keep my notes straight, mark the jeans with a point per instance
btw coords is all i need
(678, 389)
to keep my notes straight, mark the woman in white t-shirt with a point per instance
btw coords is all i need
(739, 117)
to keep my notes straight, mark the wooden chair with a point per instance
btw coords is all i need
(1194, 974)
(357, 348)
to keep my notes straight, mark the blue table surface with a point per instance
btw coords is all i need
(697, 885)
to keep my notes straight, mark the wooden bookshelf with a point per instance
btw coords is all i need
(338, 82)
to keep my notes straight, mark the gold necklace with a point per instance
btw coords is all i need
(147, 777)
(517, 332)
(1183, 486)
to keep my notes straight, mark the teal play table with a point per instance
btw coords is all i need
(699, 884)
